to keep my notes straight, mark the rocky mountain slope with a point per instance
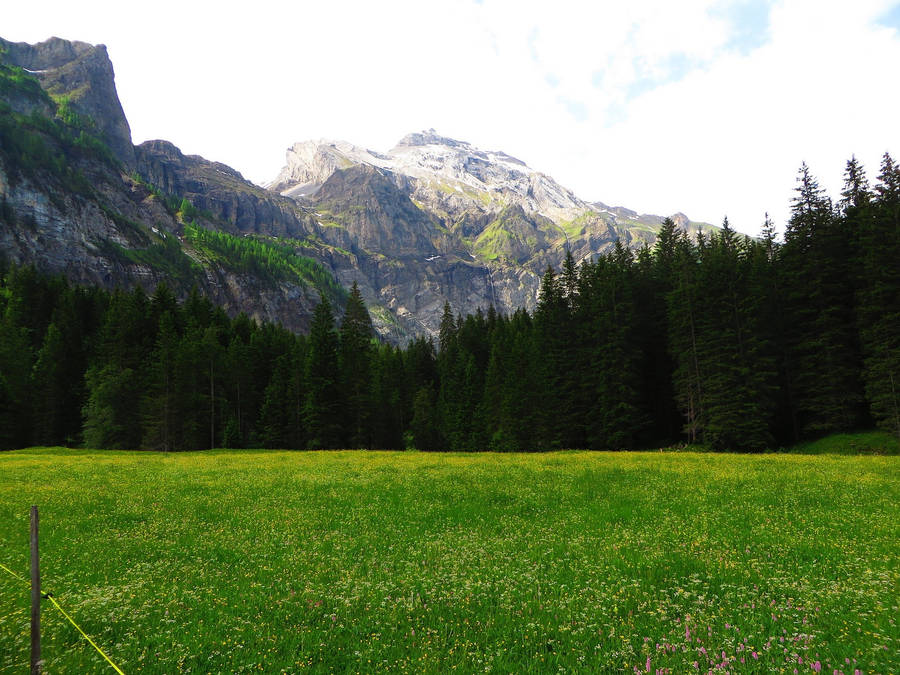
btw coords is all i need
(432, 220)
(72, 199)
(472, 226)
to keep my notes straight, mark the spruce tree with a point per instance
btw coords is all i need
(324, 408)
(453, 426)
(819, 288)
(683, 313)
(604, 361)
(388, 392)
(276, 415)
(561, 424)
(734, 351)
(356, 353)
(114, 382)
(879, 296)
(15, 369)
(424, 424)
(162, 406)
(50, 389)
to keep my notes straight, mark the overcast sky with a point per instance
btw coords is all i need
(701, 106)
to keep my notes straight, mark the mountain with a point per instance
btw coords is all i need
(82, 75)
(432, 220)
(77, 198)
(470, 226)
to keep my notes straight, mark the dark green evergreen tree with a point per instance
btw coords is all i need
(737, 357)
(278, 420)
(879, 292)
(115, 379)
(821, 337)
(453, 426)
(684, 345)
(15, 366)
(615, 416)
(388, 420)
(356, 355)
(561, 420)
(325, 405)
(163, 404)
(425, 421)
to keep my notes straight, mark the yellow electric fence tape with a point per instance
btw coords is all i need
(50, 597)
(20, 578)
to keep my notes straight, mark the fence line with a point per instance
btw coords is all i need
(49, 596)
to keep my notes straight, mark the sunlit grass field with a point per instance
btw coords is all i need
(238, 562)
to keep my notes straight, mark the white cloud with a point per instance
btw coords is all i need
(583, 91)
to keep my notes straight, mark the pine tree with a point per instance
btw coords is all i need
(684, 345)
(115, 381)
(821, 337)
(324, 409)
(879, 296)
(610, 375)
(356, 353)
(734, 352)
(161, 405)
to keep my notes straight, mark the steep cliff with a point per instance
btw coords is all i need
(71, 205)
(81, 75)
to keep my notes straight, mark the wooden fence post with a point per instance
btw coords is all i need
(35, 596)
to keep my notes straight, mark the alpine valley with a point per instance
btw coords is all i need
(432, 220)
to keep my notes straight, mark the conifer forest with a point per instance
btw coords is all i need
(722, 340)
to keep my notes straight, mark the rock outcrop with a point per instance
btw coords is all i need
(84, 75)
(241, 206)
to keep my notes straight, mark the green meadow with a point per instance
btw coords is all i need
(269, 562)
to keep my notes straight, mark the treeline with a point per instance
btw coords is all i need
(728, 341)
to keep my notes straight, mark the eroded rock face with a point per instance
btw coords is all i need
(76, 237)
(242, 206)
(84, 74)
(378, 217)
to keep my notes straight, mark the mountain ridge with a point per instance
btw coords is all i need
(433, 220)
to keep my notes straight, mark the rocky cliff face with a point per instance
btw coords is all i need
(72, 204)
(211, 186)
(433, 220)
(84, 75)
(123, 235)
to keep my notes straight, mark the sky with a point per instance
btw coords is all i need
(707, 107)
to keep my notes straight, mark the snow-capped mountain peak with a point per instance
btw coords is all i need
(436, 165)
